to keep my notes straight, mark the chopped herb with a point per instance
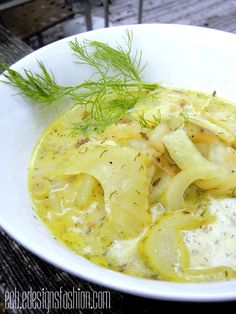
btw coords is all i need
(106, 150)
(154, 183)
(141, 168)
(113, 193)
(149, 124)
(138, 155)
(214, 93)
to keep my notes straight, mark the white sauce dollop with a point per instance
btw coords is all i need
(214, 244)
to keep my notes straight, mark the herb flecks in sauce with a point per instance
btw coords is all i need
(137, 188)
(106, 195)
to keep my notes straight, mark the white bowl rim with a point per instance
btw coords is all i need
(198, 292)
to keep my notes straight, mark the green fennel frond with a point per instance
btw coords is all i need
(109, 62)
(41, 87)
(98, 121)
(117, 71)
(185, 117)
(147, 123)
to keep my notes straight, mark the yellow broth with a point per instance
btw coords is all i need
(107, 195)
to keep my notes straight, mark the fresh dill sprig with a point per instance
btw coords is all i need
(110, 63)
(185, 117)
(147, 123)
(113, 112)
(41, 87)
(117, 72)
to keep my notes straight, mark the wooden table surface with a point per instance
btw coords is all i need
(22, 270)
(4, 5)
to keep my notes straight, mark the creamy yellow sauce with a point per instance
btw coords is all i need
(67, 170)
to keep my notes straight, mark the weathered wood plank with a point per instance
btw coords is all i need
(11, 47)
(219, 14)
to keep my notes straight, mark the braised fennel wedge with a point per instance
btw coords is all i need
(135, 177)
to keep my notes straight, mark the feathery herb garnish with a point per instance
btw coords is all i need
(115, 87)
(106, 59)
(40, 87)
(147, 123)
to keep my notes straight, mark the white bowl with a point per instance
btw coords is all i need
(181, 56)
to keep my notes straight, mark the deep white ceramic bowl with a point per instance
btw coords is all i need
(181, 56)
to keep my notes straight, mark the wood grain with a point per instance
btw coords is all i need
(39, 14)
(218, 14)
(11, 47)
